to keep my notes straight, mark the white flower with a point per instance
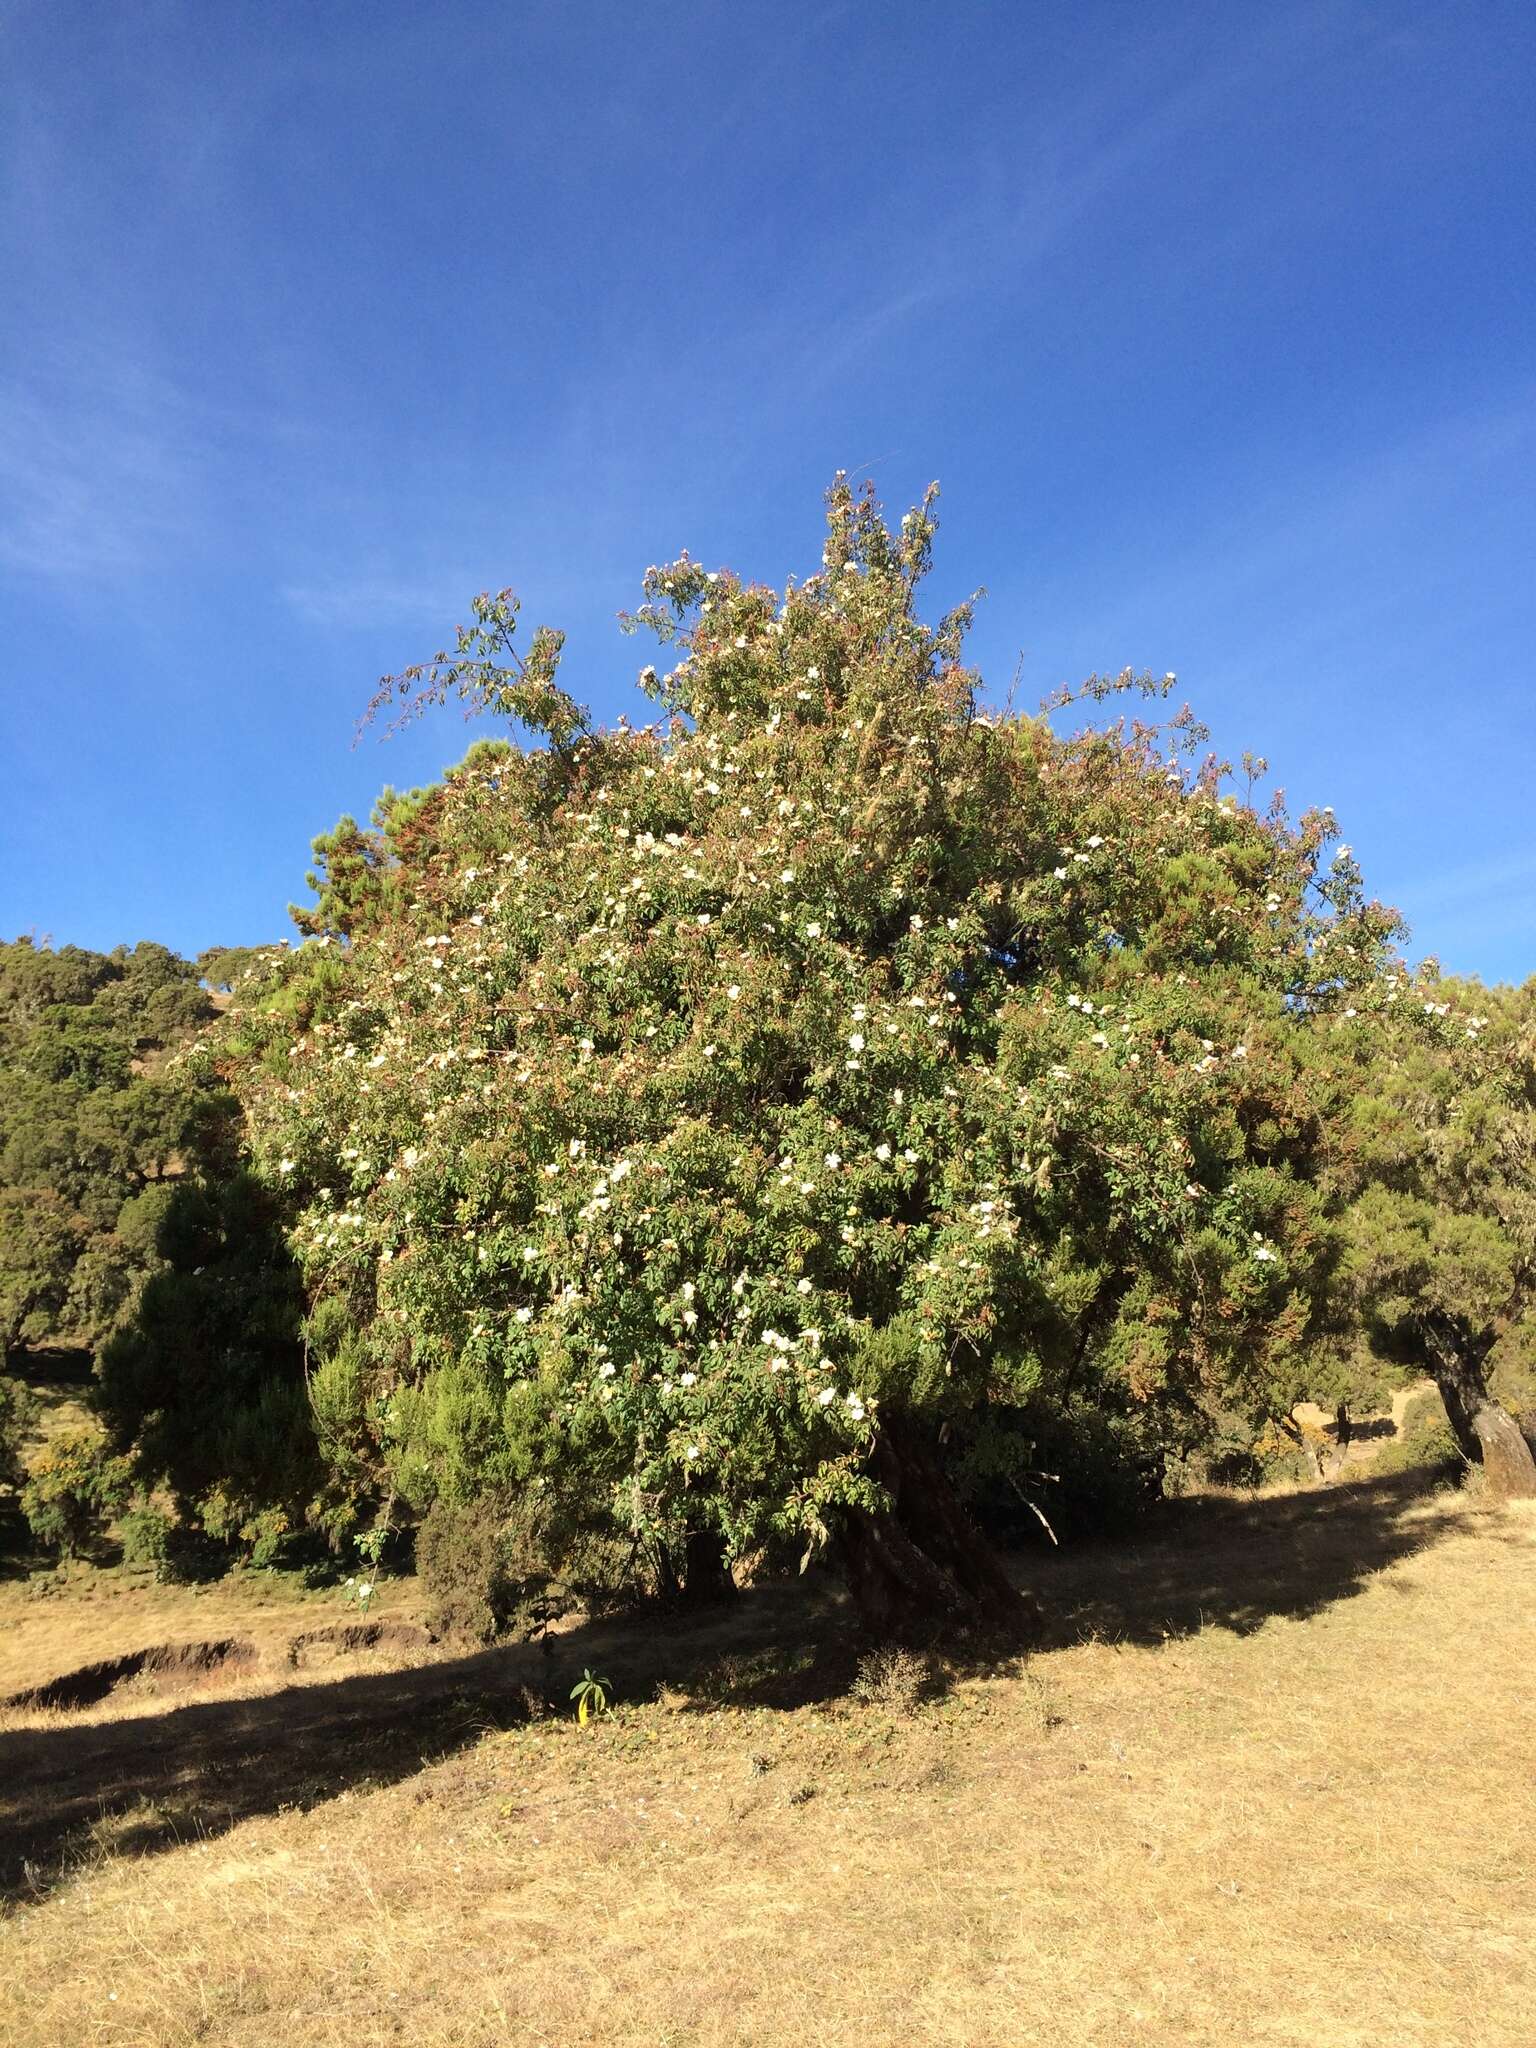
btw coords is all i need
(832, 1160)
(802, 1287)
(898, 1096)
(525, 1315)
(856, 1041)
(910, 1156)
(741, 639)
(1095, 840)
(882, 1152)
(693, 1452)
(916, 922)
(733, 993)
(1239, 1052)
(788, 875)
(1060, 874)
(1263, 1253)
(813, 675)
(826, 1397)
(365, 1589)
(813, 931)
(285, 1166)
(607, 1369)
(688, 1379)
(690, 1318)
(855, 1407)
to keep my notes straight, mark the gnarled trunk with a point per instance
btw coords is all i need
(923, 1566)
(1484, 1429)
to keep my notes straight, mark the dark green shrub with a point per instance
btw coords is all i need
(73, 1491)
(145, 1533)
(484, 1572)
(18, 1412)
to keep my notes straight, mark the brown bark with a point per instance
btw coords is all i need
(1507, 1458)
(1335, 1460)
(923, 1566)
(1485, 1431)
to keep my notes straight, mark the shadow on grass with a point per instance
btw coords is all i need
(1235, 1562)
(136, 1786)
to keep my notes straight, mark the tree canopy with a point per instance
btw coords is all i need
(95, 1123)
(738, 1123)
(1442, 1225)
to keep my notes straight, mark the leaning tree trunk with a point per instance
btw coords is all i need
(923, 1566)
(1485, 1431)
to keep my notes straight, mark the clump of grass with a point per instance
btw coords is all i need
(897, 1680)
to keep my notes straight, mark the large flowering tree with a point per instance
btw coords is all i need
(732, 1122)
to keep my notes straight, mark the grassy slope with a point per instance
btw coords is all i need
(1272, 1783)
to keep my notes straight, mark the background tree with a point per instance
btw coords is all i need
(739, 1121)
(96, 1121)
(202, 1385)
(1442, 1228)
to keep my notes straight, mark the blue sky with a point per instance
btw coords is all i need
(1216, 324)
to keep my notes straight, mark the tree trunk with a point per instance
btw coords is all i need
(923, 1566)
(706, 1573)
(1337, 1458)
(1485, 1431)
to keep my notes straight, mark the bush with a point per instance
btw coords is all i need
(1424, 1438)
(229, 1518)
(146, 1534)
(892, 1678)
(18, 1412)
(73, 1491)
(482, 1572)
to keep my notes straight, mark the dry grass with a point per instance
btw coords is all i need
(1271, 1785)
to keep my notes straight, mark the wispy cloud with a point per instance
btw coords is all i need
(348, 602)
(99, 472)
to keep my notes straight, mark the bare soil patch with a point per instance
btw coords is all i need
(165, 1667)
(345, 1639)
